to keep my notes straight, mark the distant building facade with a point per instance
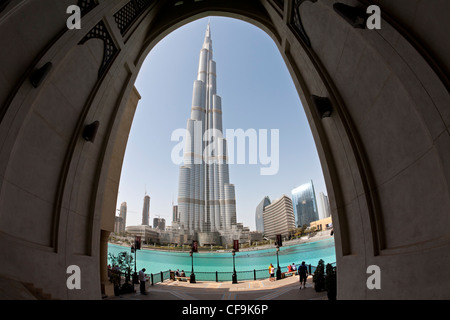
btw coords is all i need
(279, 217)
(304, 203)
(147, 233)
(323, 206)
(175, 215)
(255, 236)
(159, 223)
(321, 225)
(118, 222)
(259, 220)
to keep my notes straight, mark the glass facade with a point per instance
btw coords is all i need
(305, 205)
(259, 214)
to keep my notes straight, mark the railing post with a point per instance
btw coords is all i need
(151, 275)
(162, 276)
(254, 274)
(309, 269)
(217, 277)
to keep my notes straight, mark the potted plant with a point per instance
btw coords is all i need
(122, 266)
(331, 282)
(319, 277)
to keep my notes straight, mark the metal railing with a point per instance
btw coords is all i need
(224, 276)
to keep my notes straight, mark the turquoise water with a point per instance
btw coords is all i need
(156, 261)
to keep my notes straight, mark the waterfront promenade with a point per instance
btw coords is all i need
(284, 289)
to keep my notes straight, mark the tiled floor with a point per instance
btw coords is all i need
(284, 289)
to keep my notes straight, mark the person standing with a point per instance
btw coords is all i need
(142, 280)
(272, 272)
(303, 274)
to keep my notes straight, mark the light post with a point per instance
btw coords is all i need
(192, 279)
(234, 277)
(135, 248)
(278, 265)
(135, 277)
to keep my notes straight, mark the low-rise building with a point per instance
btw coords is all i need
(323, 224)
(147, 233)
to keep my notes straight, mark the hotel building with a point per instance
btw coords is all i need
(279, 217)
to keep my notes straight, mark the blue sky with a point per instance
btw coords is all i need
(257, 93)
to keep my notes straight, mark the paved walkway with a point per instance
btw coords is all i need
(284, 289)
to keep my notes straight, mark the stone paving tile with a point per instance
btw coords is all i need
(284, 289)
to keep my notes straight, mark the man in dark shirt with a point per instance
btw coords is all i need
(303, 273)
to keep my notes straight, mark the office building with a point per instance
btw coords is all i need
(304, 202)
(259, 214)
(159, 223)
(123, 218)
(279, 218)
(323, 206)
(175, 216)
(118, 222)
(146, 211)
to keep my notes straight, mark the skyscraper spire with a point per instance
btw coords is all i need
(207, 43)
(206, 200)
(208, 29)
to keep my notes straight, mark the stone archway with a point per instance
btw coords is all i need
(384, 149)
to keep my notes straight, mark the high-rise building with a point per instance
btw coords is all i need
(118, 222)
(279, 217)
(206, 199)
(175, 216)
(123, 215)
(146, 211)
(305, 207)
(259, 220)
(159, 223)
(323, 206)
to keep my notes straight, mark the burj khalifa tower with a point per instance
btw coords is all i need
(206, 199)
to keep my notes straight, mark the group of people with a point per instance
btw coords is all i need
(180, 274)
(302, 272)
(292, 267)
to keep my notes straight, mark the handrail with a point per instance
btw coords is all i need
(222, 276)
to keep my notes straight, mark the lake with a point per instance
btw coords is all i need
(156, 261)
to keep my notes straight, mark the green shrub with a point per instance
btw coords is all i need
(319, 277)
(331, 282)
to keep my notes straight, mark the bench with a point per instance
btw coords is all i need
(188, 279)
(288, 274)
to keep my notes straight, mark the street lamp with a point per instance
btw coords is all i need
(192, 279)
(135, 277)
(234, 277)
(278, 264)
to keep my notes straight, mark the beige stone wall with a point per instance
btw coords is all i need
(321, 224)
